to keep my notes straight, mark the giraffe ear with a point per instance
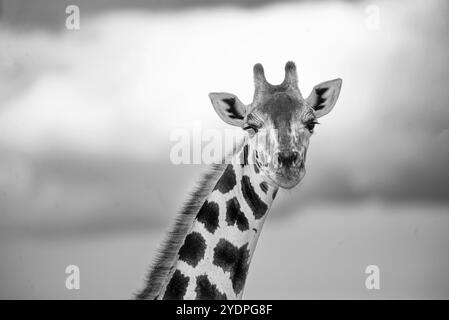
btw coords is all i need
(230, 109)
(324, 96)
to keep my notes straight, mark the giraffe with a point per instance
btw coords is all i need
(207, 253)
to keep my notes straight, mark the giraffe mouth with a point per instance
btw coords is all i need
(288, 177)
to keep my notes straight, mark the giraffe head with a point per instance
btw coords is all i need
(279, 122)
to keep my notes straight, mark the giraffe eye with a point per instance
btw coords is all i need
(311, 125)
(251, 127)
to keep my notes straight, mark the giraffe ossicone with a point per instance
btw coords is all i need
(207, 253)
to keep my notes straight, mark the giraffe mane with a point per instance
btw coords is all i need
(166, 256)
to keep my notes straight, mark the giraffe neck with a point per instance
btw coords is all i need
(214, 259)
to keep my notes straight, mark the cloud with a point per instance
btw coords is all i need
(86, 117)
(49, 14)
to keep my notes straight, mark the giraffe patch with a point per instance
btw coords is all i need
(244, 156)
(235, 216)
(227, 181)
(208, 215)
(253, 200)
(192, 251)
(234, 260)
(256, 168)
(177, 287)
(257, 162)
(264, 186)
(206, 290)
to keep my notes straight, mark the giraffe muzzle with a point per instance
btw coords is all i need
(287, 159)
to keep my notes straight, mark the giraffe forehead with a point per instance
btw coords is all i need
(282, 109)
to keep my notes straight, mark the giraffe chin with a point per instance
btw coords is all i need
(288, 178)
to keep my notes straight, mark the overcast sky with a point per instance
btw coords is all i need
(86, 118)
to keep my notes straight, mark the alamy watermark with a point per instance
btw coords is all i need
(372, 20)
(372, 282)
(207, 145)
(72, 281)
(72, 21)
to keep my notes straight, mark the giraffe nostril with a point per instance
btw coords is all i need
(286, 159)
(279, 160)
(297, 158)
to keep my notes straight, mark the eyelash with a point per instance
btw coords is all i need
(311, 125)
(249, 126)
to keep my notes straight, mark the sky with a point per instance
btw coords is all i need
(86, 116)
